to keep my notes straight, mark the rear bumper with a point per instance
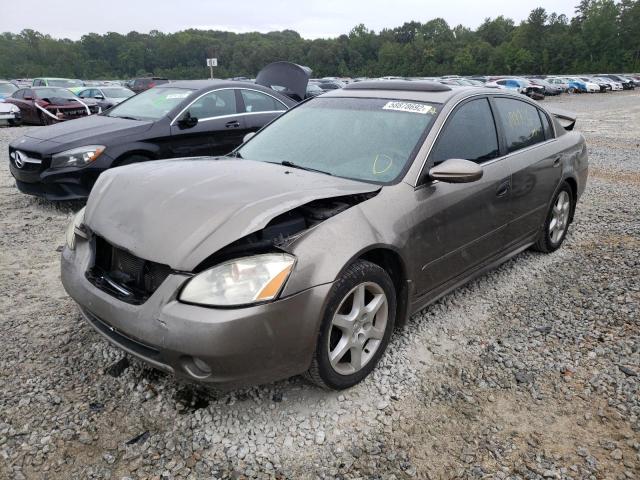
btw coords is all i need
(231, 347)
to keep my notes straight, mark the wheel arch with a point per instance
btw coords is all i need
(391, 261)
(132, 153)
(573, 184)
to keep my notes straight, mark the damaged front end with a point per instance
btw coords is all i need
(282, 230)
(202, 230)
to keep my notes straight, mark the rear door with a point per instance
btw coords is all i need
(259, 107)
(461, 225)
(219, 129)
(534, 160)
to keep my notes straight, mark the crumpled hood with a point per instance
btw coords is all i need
(88, 128)
(179, 212)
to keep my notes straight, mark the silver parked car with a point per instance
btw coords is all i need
(302, 250)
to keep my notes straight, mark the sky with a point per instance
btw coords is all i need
(311, 18)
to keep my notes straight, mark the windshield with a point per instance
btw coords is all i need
(54, 93)
(366, 139)
(117, 92)
(151, 104)
(63, 82)
(7, 89)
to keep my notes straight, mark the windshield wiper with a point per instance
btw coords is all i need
(126, 117)
(287, 163)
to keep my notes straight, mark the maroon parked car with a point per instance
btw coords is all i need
(47, 105)
(141, 84)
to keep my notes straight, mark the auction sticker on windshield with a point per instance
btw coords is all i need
(172, 96)
(410, 107)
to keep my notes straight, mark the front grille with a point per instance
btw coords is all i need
(123, 275)
(30, 166)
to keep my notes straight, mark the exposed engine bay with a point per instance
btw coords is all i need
(286, 227)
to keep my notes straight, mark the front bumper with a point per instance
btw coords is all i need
(56, 184)
(10, 117)
(231, 346)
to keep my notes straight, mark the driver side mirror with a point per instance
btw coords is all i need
(99, 97)
(456, 170)
(187, 121)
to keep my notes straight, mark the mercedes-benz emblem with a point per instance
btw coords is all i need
(17, 159)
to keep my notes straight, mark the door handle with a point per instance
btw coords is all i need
(556, 162)
(232, 124)
(502, 189)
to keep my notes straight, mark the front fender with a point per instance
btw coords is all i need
(324, 251)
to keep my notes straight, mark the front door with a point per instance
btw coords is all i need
(218, 131)
(461, 225)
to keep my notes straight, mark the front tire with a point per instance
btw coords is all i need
(357, 324)
(557, 221)
(44, 119)
(128, 160)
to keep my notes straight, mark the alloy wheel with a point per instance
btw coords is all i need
(559, 217)
(357, 328)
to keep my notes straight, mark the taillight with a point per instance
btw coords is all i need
(151, 85)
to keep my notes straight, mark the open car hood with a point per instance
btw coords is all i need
(285, 77)
(179, 212)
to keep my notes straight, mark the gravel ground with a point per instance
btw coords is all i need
(530, 372)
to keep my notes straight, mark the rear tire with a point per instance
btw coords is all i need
(356, 327)
(557, 221)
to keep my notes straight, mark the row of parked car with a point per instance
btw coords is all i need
(46, 100)
(536, 87)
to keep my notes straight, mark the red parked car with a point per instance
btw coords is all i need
(141, 84)
(47, 105)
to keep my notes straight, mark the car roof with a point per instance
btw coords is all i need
(56, 78)
(422, 91)
(209, 84)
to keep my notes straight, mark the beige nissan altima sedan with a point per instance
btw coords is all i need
(301, 251)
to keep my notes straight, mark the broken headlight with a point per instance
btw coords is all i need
(75, 223)
(77, 157)
(242, 281)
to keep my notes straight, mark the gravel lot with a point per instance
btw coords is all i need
(530, 372)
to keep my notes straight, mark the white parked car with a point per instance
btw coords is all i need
(9, 114)
(615, 86)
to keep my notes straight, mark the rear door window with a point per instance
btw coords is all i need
(469, 134)
(260, 102)
(521, 123)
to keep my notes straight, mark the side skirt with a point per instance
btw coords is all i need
(441, 291)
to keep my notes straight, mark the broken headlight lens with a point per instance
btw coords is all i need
(242, 281)
(75, 223)
(77, 157)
